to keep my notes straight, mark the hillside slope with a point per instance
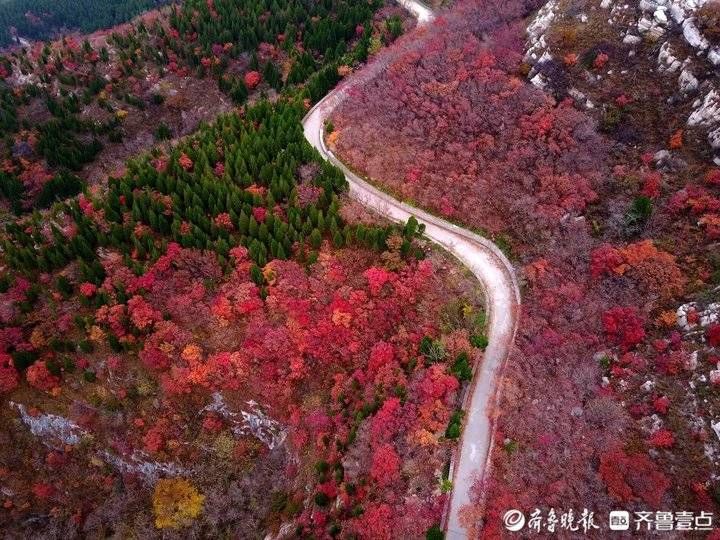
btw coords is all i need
(614, 237)
(23, 20)
(214, 340)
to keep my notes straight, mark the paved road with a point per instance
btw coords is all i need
(422, 13)
(482, 257)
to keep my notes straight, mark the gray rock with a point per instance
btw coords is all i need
(693, 36)
(714, 140)
(677, 13)
(660, 156)
(714, 56)
(648, 5)
(687, 81)
(644, 24)
(660, 16)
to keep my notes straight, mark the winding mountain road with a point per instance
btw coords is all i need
(487, 263)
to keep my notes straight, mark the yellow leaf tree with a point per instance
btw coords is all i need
(176, 502)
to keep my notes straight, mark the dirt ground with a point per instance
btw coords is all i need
(188, 102)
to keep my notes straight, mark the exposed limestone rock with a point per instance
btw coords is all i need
(687, 81)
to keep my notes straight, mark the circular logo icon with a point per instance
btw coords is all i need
(514, 520)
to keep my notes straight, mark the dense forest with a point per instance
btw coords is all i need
(213, 338)
(42, 19)
(201, 334)
(231, 267)
(94, 99)
(613, 233)
(201, 179)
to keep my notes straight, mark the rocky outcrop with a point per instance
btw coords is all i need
(684, 53)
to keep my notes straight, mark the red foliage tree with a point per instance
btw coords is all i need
(376, 523)
(386, 421)
(252, 79)
(662, 438)
(142, 314)
(439, 104)
(43, 490)
(437, 384)
(385, 469)
(154, 439)
(624, 326)
(381, 354)
(713, 335)
(377, 277)
(604, 260)
(632, 476)
(40, 377)
(654, 270)
(185, 162)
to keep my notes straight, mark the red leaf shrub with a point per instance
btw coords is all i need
(185, 162)
(624, 326)
(385, 469)
(386, 421)
(252, 79)
(375, 523)
(224, 221)
(42, 490)
(88, 289)
(39, 376)
(630, 476)
(661, 404)
(651, 185)
(712, 177)
(662, 438)
(600, 60)
(259, 214)
(713, 335)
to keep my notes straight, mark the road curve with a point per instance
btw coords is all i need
(422, 13)
(487, 263)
